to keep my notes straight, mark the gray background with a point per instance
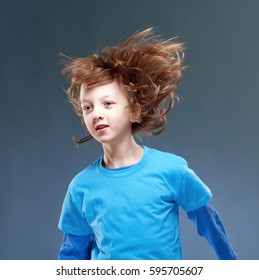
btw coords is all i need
(215, 126)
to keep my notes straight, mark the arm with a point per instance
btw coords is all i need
(76, 247)
(209, 225)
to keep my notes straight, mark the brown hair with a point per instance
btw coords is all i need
(147, 68)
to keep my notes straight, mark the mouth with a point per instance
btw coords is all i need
(101, 127)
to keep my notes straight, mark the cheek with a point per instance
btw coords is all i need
(86, 121)
(123, 118)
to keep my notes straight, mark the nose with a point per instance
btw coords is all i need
(97, 114)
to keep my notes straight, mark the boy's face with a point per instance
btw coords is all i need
(106, 113)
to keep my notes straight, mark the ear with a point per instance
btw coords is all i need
(136, 114)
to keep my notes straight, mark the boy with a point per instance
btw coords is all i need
(125, 204)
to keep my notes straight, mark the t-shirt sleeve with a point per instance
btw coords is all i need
(71, 219)
(193, 193)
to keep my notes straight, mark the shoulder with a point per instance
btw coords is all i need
(166, 159)
(168, 165)
(84, 177)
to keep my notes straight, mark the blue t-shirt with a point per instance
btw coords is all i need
(133, 211)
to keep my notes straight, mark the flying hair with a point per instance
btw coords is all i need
(147, 68)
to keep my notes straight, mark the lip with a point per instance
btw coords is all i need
(101, 127)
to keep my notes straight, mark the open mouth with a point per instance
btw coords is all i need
(101, 127)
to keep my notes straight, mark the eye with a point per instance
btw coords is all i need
(108, 104)
(87, 108)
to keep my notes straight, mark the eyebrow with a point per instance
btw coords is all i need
(85, 100)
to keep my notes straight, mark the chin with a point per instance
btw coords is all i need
(103, 140)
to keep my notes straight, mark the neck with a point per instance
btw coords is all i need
(125, 154)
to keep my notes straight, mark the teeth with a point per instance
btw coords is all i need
(100, 126)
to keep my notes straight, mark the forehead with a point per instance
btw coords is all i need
(111, 89)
